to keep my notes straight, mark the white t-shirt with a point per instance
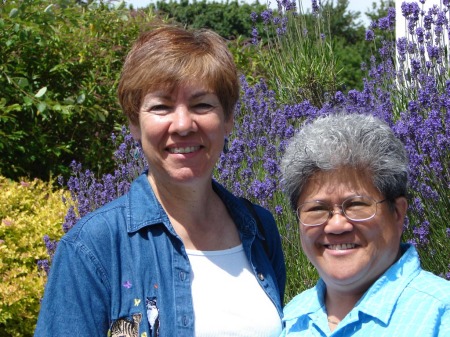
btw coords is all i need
(227, 298)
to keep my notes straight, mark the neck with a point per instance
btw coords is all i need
(339, 304)
(197, 215)
(187, 201)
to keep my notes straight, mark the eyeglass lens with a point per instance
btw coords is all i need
(315, 213)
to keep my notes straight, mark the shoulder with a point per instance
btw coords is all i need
(128, 213)
(97, 224)
(303, 304)
(264, 213)
(422, 285)
(431, 288)
(240, 210)
(264, 216)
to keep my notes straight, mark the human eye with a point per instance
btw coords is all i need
(312, 213)
(314, 207)
(159, 109)
(358, 203)
(202, 107)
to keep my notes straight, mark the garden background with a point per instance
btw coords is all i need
(64, 149)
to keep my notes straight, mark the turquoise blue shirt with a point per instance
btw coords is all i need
(404, 301)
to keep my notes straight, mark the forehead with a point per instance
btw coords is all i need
(339, 183)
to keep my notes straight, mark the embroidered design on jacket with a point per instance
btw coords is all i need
(152, 315)
(126, 328)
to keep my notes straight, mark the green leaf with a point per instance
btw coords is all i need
(27, 101)
(101, 116)
(48, 9)
(13, 13)
(57, 107)
(41, 107)
(13, 107)
(41, 92)
(121, 5)
(81, 98)
(69, 101)
(23, 82)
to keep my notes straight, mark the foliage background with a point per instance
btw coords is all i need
(59, 65)
(60, 61)
(28, 209)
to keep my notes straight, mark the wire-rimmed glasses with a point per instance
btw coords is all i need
(355, 208)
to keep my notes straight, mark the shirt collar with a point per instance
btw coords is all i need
(144, 209)
(315, 306)
(390, 285)
(387, 288)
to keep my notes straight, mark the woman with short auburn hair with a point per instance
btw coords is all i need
(178, 255)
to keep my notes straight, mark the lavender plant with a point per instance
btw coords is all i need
(300, 63)
(423, 102)
(88, 192)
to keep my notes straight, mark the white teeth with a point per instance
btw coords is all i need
(183, 149)
(341, 246)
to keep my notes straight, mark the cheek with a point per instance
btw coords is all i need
(153, 129)
(308, 236)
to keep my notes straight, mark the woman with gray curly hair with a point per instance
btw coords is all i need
(346, 177)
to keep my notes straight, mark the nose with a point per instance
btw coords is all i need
(337, 223)
(183, 122)
(339, 211)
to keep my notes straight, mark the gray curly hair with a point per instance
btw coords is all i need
(358, 141)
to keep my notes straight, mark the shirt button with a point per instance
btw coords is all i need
(185, 320)
(182, 275)
(261, 276)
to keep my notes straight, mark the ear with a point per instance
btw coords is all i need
(401, 206)
(135, 131)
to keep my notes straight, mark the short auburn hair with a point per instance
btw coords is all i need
(169, 56)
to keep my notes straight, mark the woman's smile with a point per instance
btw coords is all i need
(183, 150)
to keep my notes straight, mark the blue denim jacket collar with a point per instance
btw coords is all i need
(140, 215)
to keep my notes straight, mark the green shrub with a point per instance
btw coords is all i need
(28, 210)
(59, 66)
(229, 19)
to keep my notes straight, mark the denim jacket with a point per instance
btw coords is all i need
(122, 269)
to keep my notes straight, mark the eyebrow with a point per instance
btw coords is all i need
(164, 95)
(202, 93)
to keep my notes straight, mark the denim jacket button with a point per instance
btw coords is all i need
(261, 276)
(182, 275)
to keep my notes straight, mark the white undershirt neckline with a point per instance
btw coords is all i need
(227, 298)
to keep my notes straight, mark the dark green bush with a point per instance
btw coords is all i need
(228, 18)
(59, 65)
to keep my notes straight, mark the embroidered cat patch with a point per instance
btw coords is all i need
(124, 327)
(152, 315)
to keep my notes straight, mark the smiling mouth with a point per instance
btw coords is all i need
(343, 246)
(188, 149)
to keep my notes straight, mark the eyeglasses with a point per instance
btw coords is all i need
(356, 208)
